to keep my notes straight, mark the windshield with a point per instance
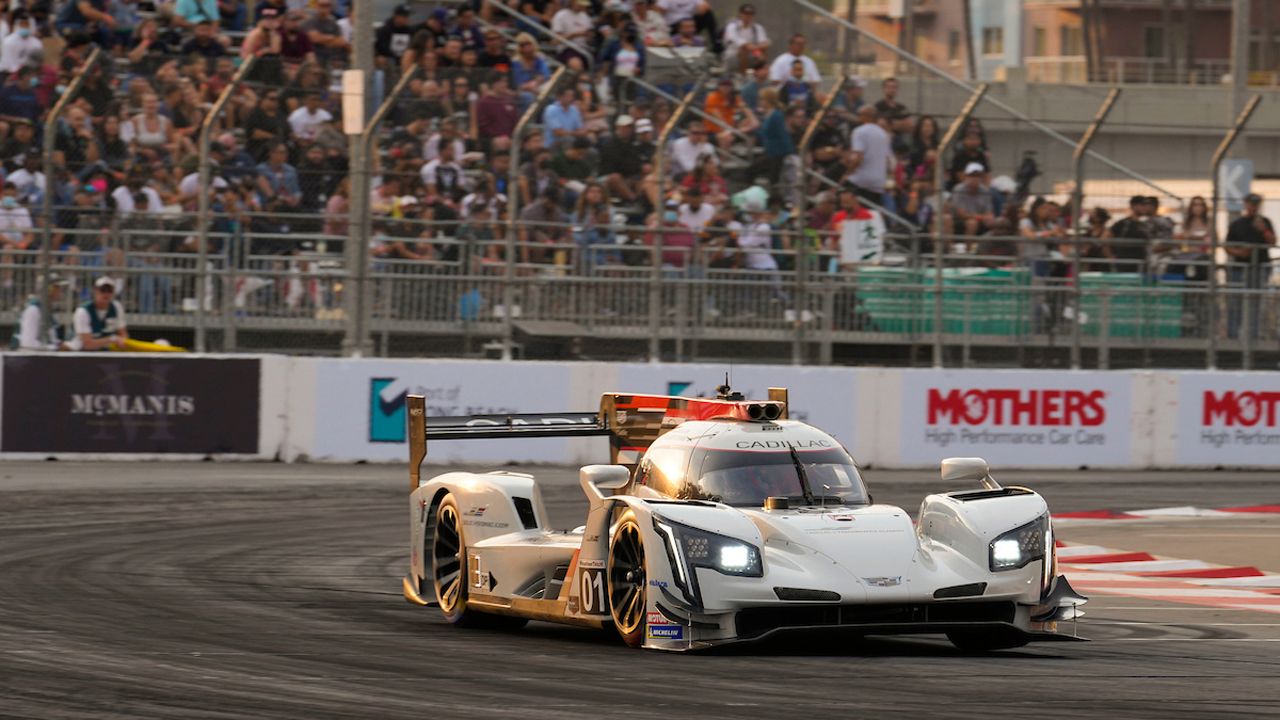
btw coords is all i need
(745, 479)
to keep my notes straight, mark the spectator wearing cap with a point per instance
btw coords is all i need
(326, 36)
(780, 69)
(394, 37)
(31, 334)
(650, 23)
(562, 120)
(1250, 238)
(622, 159)
(100, 323)
(467, 29)
(575, 165)
(28, 178)
(676, 12)
(528, 70)
(972, 210)
(746, 43)
(870, 155)
(970, 151)
(19, 43)
(888, 105)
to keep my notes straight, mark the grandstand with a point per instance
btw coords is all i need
(590, 179)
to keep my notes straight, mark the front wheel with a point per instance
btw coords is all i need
(626, 579)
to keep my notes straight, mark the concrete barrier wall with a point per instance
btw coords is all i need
(343, 410)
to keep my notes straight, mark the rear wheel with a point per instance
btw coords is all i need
(449, 572)
(982, 641)
(626, 578)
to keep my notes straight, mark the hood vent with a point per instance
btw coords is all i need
(970, 496)
(802, 595)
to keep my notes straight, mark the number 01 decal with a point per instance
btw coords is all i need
(591, 591)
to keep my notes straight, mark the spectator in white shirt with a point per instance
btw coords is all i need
(871, 156)
(756, 240)
(651, 25)
(573, 23)
(15, 221)
(19, 43)
(693, 213)
(124, 198)
(745, 40)
(307, 121)
(780, 70)
(688, 150)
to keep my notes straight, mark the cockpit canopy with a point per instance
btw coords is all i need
(742, 464)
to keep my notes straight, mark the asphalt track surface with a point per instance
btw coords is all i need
(241, 590)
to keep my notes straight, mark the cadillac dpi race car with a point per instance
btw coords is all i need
(723, 521)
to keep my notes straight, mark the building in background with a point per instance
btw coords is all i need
(1074, 41)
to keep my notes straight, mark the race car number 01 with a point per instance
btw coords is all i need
(592, 592)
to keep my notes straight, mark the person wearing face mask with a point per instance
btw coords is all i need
(19, 43)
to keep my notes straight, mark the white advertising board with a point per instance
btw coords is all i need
(359, 407)
(1015, 418)
(1230, 419)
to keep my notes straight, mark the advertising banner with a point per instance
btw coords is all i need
(1228, 419)
(1013, 418)
(823, 397)
(360, 413)
(110, 403)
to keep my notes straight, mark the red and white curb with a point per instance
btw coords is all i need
(1185, 511)
(1096, 569)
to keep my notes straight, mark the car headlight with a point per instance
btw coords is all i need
(1019, 546)
(699, 548)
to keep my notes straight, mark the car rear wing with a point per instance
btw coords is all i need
(631, 422)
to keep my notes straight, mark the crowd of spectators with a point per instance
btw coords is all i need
(725, 191)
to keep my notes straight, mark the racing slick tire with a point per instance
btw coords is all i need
(626, 580)
(984, 641)
(448, 553)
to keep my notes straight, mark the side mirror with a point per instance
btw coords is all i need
(595, 478)
(968, 470)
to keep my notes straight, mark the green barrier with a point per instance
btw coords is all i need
(1131, 312)
(994, 300)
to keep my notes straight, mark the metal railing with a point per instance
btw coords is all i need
(1008, 294)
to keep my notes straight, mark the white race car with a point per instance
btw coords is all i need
(722, 521)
